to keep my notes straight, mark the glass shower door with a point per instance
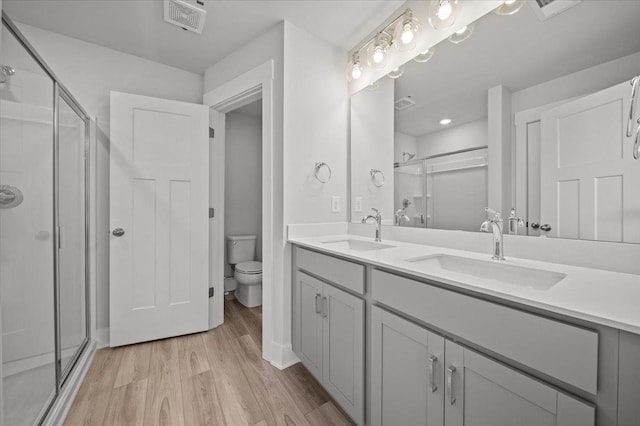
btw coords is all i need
(71, 202)
(26, 236)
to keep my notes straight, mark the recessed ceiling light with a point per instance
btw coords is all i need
(445, 121)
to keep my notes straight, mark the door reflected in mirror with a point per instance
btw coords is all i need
(531, 113)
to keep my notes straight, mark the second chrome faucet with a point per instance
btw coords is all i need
(378, 219)
(496, 227)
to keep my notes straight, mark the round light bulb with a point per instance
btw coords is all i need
(356, 71)
(407, 34)
(462, 30)
(378, 54)
(444, 11)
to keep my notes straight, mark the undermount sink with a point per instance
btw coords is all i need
(357, 245)
(537, 279)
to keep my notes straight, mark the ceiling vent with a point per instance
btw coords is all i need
(403, 103)
(546, 9)
(185, 15)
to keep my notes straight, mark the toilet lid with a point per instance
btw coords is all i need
(251, 267)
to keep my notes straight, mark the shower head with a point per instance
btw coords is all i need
(6, 71)
(407, 154)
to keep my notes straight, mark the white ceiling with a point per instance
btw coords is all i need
(137, 26)
(516, 51)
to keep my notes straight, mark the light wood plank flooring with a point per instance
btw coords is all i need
(212, 378)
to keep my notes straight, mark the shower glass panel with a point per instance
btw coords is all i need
(410, 195)
(26, 236)
(457, 188)
(71, 223)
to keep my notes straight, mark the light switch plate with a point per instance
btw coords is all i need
(358, 204)
(335, 204)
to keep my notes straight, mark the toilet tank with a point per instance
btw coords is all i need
(240, 248)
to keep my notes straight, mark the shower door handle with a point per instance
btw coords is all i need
(118, 232)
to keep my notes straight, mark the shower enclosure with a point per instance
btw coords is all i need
(43, 232)
(444, 191)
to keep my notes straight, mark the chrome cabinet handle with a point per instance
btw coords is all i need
(450, 394)
(325, 307)
(317, 303)
(636, 144)
(635, 81)
(118, 232)
(432, 385)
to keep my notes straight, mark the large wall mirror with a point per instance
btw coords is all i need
(556, 90)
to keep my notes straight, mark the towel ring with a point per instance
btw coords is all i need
(377, 177)
(322, 172)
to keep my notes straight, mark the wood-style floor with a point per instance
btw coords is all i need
(212, 378)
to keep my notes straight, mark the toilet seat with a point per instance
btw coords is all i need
(249, 268)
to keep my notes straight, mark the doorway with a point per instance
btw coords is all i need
(254, 85)
(243, 209)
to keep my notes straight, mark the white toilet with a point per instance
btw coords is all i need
(241, 250)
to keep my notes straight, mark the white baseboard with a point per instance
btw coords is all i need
(102, 338)
(61, 406)
(286, 357)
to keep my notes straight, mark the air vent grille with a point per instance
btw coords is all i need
(546, 9)
(403, 103)
(184, 15)
(543, 3)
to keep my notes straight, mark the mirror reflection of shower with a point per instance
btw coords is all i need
(406, 156)
(5, 72)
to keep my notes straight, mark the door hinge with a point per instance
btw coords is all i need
(212, 132)
(212, 212)
(211, 291)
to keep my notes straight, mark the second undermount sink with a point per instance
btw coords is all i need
(520, 276)
(357, 245)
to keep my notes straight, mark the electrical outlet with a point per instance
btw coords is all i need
(335, 204)
(358, 204)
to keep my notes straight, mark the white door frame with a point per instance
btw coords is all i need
(238, 92)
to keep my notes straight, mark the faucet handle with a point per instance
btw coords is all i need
(496, 215)
(375, 210)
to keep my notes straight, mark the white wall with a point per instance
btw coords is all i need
(468, 135)
(243, 178)
(89, 72)
(316, 111)
(579, 83)
(372, 147)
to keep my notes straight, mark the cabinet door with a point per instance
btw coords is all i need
(480, 391)
(310, 322)
(343, 354)
(407, 374)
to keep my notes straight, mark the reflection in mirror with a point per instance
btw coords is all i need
(528, 113)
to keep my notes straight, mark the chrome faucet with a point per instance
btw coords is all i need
(514, 222)
(400, 214)
(496, 227)
(378, 219)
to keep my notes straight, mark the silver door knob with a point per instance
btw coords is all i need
(118, 232)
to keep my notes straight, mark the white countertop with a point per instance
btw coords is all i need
(602, 297)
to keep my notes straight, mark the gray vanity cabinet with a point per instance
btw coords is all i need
(407, 374)
(480, 391)
(310, 323)
(420, 378)
(330, 322)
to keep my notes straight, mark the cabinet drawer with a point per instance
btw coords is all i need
(347, 274)
(559, 350)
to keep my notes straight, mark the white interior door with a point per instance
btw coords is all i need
(589, 179)
(159, 198)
